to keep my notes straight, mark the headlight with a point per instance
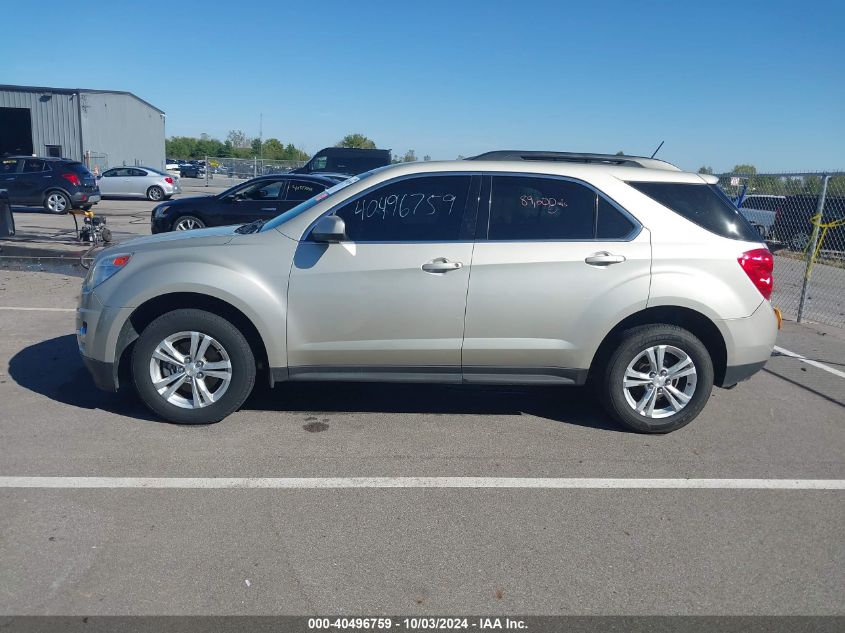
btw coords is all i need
(103, 269)
(161, 210)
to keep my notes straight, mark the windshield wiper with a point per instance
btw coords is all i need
(252, 227)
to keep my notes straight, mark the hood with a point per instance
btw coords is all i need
(191, 201)
(214, 236)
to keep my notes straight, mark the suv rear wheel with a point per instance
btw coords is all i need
(192, 367)
(57, 202)
(658, 379)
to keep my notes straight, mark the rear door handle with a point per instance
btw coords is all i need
(603, 258)
(441, 265)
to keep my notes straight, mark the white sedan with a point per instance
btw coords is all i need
(138, 182)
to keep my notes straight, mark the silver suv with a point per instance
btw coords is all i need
(643, 281)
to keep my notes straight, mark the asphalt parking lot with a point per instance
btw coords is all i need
(418, 546)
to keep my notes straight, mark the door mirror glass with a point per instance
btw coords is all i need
(329, 228)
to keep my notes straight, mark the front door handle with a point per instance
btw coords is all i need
(268, 208)
(603, 258)
(441, 265)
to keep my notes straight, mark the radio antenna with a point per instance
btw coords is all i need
(658, 149)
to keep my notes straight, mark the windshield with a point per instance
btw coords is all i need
(304, 206)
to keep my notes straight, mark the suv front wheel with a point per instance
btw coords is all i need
(192, 367)
(658, 379)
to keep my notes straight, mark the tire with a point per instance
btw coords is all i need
(187, 223)
(631, 357)
(181, 406)
(155, 193)
(57, 202)
(106, 234)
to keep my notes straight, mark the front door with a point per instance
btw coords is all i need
(9, 178)
(389, 303)
(557, 266)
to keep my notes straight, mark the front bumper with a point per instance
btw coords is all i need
(103, 373)
(102, 334)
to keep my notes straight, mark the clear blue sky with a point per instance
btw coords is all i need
(721, 82)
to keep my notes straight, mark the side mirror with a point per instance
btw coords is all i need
(329, 228)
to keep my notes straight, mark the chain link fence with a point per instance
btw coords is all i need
(245, 168)
(801, 216)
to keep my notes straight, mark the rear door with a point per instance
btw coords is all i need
(33, 178)
(299, 191)
(556, 266)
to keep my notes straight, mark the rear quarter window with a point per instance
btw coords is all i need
(704, 205)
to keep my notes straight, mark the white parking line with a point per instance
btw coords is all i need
(19, 309)
(814, 363)
(214, 483)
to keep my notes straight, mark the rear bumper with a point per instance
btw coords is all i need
(81, 197)
(738, 373)
(749, 343)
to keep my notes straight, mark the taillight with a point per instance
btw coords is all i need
(758, 265)
(72, 179)
(168, 180)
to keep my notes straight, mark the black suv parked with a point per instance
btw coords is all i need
(57, 184)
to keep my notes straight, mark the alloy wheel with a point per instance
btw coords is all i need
(190, 370)
(187, 224)
(660, 381)
(56, 202)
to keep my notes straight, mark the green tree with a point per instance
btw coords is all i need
(238, 139)
(409, 157)
(273, 149)
(426, 157)
(356, 140)
(745, 169)
(705, 170)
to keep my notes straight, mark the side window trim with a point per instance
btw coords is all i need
(306, 236)
(635, 231)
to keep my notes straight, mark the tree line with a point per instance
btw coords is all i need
(239, 145)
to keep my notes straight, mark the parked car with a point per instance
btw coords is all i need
(345, 160)
(138, 182)
(264, 197)
(172, 164)
(57, 184)
(648, 283)
(761, 210)
(188, 170)
(793, 224)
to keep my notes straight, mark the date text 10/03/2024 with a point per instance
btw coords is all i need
(422, 623)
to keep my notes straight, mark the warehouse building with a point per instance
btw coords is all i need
(103, 128)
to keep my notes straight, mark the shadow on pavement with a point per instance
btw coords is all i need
(54, 369)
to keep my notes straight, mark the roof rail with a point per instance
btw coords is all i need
(576, 157)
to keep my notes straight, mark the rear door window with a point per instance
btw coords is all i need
(302, 190)
(422, 209)
(33, 165)
(542, 209)
(704, 205)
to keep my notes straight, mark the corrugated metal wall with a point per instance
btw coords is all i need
(55, 119)
(129, 131)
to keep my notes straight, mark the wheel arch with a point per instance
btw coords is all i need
(153, 308)
(695, 322)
